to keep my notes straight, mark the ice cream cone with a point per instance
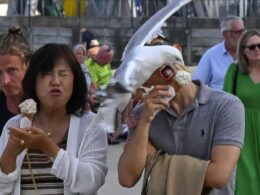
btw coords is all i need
(28, 109)
(183, 77)
(29, 116)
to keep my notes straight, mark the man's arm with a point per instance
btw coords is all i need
(137, 149)
(227, 141)
(222, 165)
(133, 159)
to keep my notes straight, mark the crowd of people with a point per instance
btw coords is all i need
(203, 131)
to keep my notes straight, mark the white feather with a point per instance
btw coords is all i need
(139, 62)
(142, 61)
(146, 31)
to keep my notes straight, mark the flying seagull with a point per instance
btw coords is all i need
(138, 64)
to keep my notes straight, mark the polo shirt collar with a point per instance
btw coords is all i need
(223, 48)
(204, 92)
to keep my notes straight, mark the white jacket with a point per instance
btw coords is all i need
(82, 166)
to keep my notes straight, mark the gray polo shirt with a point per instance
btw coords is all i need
(214, 118)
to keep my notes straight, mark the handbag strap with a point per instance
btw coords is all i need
(234, 87)
(148, 171)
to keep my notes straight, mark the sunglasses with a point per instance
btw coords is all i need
(167, 72)
(236, 31)
(161, 43)
(253, 46)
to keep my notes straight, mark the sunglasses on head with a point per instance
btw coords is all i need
(253, 46)
(167, 72)
(161, 43)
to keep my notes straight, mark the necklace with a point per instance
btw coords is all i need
(49, 134)
(30, 168)
(31, 172)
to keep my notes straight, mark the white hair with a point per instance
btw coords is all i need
(226, 22)
(94, 43)
(79, 46)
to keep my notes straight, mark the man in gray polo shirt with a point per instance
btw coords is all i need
(199, 122)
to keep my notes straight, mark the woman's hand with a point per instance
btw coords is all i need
(9, 155)
(34, 138)
(19, 139)
(31, 137)
(155, 100)
(13, 147)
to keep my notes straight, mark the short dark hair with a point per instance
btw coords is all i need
(43, 61)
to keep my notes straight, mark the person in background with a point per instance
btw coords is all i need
(100, 70)
(195, 122)
(243, 80)
(215, 61)
(136, 100)
(86, 37)
(29, 7)
(80, 54)
(99, 66)
(57, 153)
(14, 58)
(94, 48)
(49, 8)
(159, 39)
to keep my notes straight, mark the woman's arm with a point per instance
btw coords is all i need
(9, 162)
(86, 173)
(8, 157)
(10, 148)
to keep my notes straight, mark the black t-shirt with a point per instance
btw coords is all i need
(5, 114)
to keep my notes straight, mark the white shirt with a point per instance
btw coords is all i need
(82, 166)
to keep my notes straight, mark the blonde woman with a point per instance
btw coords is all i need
(243, 80)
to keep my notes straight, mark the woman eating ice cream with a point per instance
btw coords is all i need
(56, 153)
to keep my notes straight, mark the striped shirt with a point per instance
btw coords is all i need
(47, 184)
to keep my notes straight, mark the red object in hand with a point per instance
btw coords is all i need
(167, 72)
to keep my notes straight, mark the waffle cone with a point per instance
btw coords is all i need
(29, 116)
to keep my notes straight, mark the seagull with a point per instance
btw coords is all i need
(138, 64)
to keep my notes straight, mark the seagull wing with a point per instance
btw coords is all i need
(152, 25)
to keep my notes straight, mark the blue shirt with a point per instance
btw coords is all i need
(213, 66)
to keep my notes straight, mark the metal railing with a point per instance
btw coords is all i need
(131, 8)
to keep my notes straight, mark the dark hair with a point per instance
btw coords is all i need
(43, 61)
(14, 43)
(87, 36)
